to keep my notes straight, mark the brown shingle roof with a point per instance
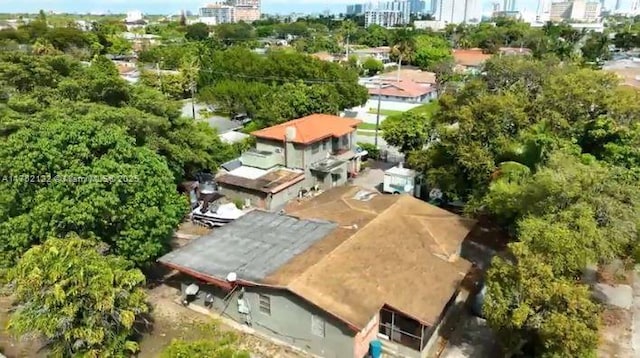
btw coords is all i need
(311, 128)
(394, 250)
(470, 58)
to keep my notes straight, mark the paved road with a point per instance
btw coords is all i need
(222, 124)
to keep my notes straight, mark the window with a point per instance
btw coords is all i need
(265, 304)
(315, 148)
(403, 330)
(345, 140)
(317, 325)
(324, 145)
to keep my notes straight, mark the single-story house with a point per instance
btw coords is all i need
(470, 59)
(333, 273)
(264, 188)
(381, 54)
(403, 91)
(409, 74)
(231, 137)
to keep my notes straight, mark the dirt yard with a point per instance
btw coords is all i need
(10, 346)
(171, 321)
(175, 321)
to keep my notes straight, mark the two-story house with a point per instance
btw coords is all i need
(313, 152)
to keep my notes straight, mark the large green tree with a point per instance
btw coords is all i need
(88, 178)
(84, 303)
(409, 131)
(526, 303)
(431, 50)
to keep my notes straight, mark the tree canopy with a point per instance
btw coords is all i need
(84, 303)
(545, 148)
(238, 80)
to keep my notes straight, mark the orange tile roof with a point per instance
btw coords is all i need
(311, 128)
(411, 75)
(472, 57)
(401, 89)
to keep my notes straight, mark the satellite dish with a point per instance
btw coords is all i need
(435, 194)
(407, 188)
(232, 277)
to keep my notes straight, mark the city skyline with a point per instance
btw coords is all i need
(173, 6)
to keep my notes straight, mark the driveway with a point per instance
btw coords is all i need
(472, 338)
(373, 176)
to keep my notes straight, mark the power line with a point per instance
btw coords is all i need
(275, 78)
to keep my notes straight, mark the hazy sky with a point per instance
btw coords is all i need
(174, 6)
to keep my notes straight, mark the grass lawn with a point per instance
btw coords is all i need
(428, 108)
(368, 133)
(370, 126)
(384, 112)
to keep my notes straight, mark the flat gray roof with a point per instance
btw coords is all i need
(253, 246)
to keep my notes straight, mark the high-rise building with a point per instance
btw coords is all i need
(388, 14)
(542, 12)
(627, 7)
(458, 11)
(577, 10)
(355, 9)
(214, 14)
(509, 5)
(417, 6)
(246, 10)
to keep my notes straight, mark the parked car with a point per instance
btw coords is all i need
(242, 118)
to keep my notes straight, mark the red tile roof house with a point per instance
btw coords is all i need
(309, 153)
(403, 91)
(470, 59)
(334, 273)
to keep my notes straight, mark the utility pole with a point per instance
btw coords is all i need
(375, 141)
(193, 98)
(160, 75)
(347, 47)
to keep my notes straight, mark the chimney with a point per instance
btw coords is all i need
(289, 149)
(400, 165)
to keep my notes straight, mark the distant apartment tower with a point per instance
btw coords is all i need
(417, 6)
(458, 11)
(577, 10)
(355, 9)
(509, 5)
(627, 7)
(388, 14)
(542, 12)
(246, 10)
(214, 14)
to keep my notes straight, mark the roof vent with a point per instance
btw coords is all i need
(232, 277)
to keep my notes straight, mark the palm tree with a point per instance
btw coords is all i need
(403, 45)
